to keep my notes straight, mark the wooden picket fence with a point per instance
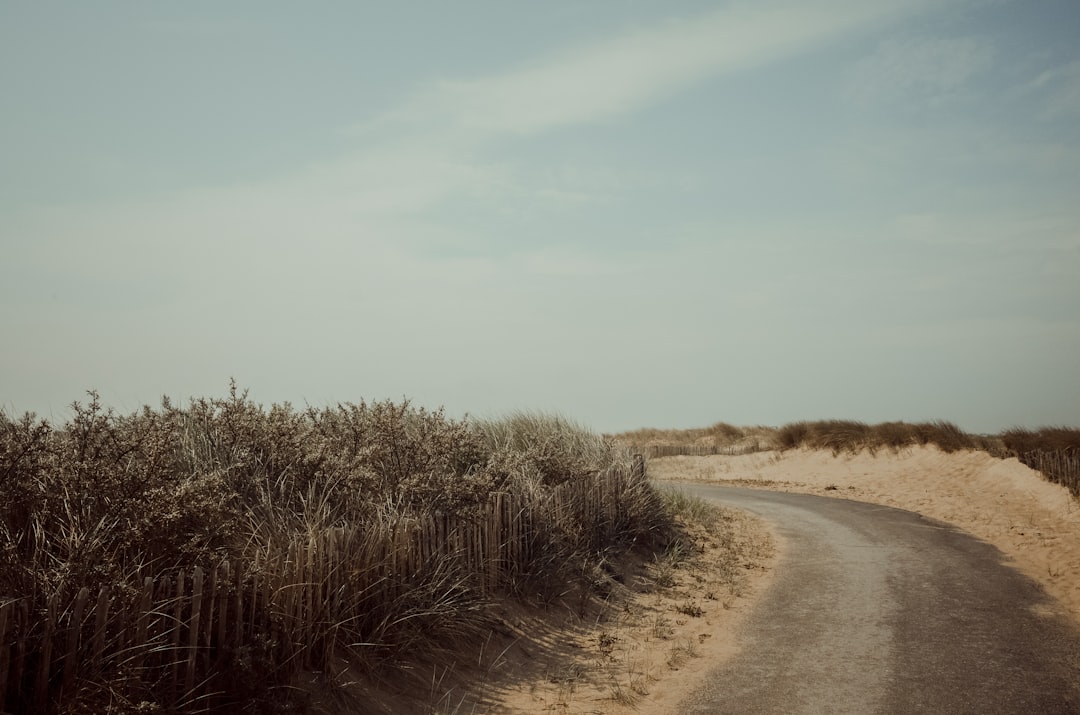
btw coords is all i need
(1060, 466)
(671, 450)
(302, 603)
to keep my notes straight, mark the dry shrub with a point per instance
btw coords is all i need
(950, 438)
(724, 433)
(549, 449)
(895, 435)
(852, 436)
(1048, 439)
(1054, 451)
(793, 435)
(719, 438)
(108, 500)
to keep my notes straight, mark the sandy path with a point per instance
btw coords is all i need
(881, 610)
(1035, 523)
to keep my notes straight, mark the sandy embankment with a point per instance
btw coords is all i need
(1036, 524)
(1032, 521)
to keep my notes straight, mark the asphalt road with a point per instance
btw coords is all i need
(879, 610)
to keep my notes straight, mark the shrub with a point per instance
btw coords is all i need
(548, 448)
(110, 500)
(793, 435)
(1019, 441)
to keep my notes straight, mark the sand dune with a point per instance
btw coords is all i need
(1034, 522)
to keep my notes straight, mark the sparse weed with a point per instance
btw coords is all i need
(680, 651)
(661, 627)
(692, 609)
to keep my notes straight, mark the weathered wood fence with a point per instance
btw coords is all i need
(1060, 466)
(655, 451)
(297, 605)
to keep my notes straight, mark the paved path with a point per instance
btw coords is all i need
(878, 610)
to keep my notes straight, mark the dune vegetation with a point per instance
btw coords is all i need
(211, 557)
(1053, 451)
(223, 556)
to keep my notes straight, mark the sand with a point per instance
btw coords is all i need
(1035, 523)
(627, 664)
(656, 641)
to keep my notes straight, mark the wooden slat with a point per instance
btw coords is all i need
(71, 659)
(101, 624)
(6, 610)
(239, 605)
(178, 619)
(224, 581)
(258, 572)
(194, 629)
(294, 609)
(332, 596)
(271, 607)
(210, 598)
(41, 685)
(22, 617)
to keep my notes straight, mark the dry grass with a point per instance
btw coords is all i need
(1046, 439)
(636, 644)
(108, 500)
(1054, 451)
(720, 436)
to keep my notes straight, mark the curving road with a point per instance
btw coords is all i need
(877, 610)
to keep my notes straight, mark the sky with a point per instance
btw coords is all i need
(632, 213)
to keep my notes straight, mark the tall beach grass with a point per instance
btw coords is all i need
(353, 536)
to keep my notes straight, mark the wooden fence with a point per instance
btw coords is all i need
(1060, 466)
(295, 605)
(655, 451)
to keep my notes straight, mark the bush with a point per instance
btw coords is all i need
(110, 500)
(851, 436)
(793, 435)
(1020, 441)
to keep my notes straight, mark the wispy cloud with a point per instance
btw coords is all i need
(1062, 88)
(593, 83)
(924, 69)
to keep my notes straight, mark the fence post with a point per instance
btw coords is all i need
(74, 634)
(210, 596)
(193, 630)
(223, 602)
(41, 689)
(142, 622)
(22, 616)
(332, 603)
(178, 618)
(239, 605)
(101, 621)
(5, 611)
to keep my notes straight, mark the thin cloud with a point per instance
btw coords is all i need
(570, 264)
(1063, 92)
(928, 69)
(593, 83)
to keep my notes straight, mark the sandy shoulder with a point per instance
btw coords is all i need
(1032, 521)
(656, 639)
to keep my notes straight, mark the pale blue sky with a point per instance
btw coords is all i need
(633, 213)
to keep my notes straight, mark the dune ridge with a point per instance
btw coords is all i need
(1035, 523)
